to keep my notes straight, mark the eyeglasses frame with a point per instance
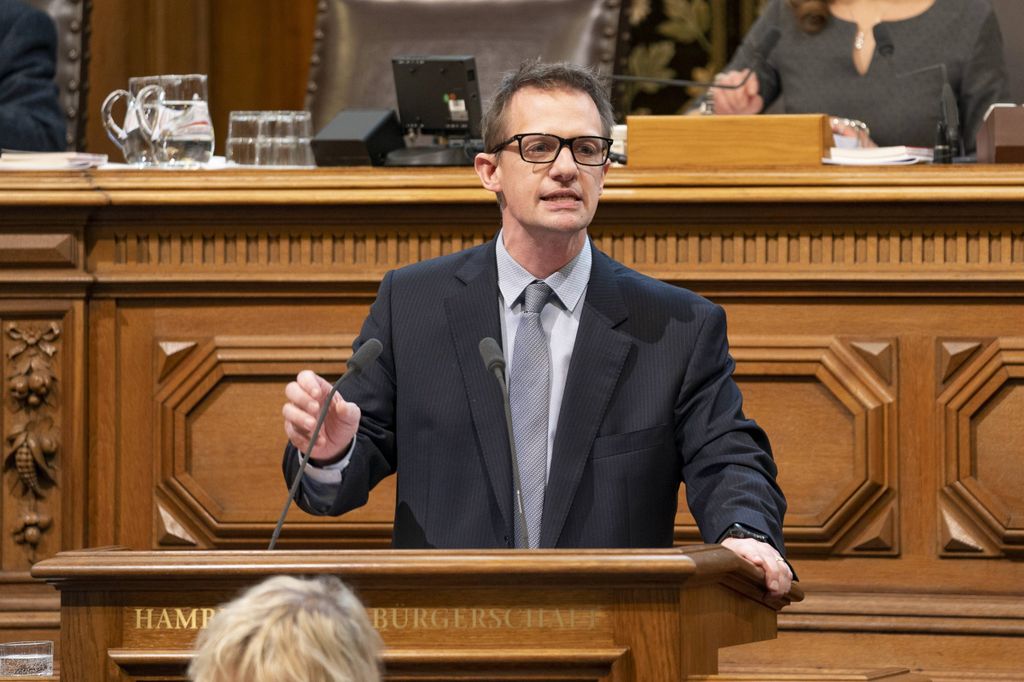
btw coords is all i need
(562, 142)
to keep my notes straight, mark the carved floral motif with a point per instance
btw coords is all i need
(32, 446)
(31, 380)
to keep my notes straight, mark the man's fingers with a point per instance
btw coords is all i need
(301, 421)
(301, 399)
(752, 87)
(314, 384)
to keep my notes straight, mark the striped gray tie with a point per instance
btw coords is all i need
(529, 393)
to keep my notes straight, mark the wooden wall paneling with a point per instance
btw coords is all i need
(103, 493)
(42, 358)
(42, 351)
(981, 513)
(875, 317)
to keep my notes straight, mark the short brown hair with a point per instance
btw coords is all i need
(545, 76)
(288, 628)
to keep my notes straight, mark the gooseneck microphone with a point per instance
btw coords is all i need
(761, 53)
(491, 353)
(366, 354)
(947, 131)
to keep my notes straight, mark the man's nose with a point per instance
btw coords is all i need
(564, 164)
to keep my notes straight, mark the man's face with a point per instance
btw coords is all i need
(542, 199)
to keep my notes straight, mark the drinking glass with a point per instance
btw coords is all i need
(182, 129)
(243, 129)
(283, 139)
(26, 659)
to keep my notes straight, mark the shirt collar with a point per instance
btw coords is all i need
(569, 283)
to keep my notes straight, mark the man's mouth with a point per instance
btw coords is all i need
(562, 196)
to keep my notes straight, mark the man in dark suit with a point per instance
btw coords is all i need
(30, 115)
(635, 374)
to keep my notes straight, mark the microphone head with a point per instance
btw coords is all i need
(491, 353)
(366, 354)
(883, 40)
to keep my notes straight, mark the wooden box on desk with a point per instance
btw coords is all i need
(1001, 137)
(717, 141)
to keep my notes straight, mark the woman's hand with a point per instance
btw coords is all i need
(744, 100)
(858, 130)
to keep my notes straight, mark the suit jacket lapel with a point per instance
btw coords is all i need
(472, 313)
(598, 357)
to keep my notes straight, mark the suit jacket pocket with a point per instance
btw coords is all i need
(634, 441)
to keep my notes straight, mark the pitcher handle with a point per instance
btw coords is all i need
(149, 127)
(114, 132)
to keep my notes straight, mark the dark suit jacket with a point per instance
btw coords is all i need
(649, 401)
(31, 118)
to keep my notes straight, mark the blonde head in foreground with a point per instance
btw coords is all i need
(286, 628)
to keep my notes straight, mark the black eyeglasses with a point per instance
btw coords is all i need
(587, 150)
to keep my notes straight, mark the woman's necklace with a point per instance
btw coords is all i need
(858, 40)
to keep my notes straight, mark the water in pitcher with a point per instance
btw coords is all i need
(183, 132)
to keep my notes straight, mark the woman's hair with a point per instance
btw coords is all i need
(305, 630)
(811, 15)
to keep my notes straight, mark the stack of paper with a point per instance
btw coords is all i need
(878, 156)
(16, 160)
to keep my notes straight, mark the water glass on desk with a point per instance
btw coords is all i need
(240, 146)
(270, 138)
(26, 659)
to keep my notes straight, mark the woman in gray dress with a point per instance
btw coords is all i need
(826, 61)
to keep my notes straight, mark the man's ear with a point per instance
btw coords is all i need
(486, 167)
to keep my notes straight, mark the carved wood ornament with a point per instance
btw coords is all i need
(33, 443)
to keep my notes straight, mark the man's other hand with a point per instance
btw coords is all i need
(777, 576)
(302, 409)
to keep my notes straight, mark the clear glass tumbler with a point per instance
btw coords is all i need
(26, 659)
(283, 139)
(243, 129)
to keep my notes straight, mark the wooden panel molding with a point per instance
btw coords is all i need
(235, 243)
(170, 355)
(38, 250)
(841, 487)
(590, 665)
(204, 493)
(981, 506)
(984, 615)
(953, 354)
(835, 251)
(170, 531)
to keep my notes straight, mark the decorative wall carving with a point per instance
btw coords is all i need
(864, 250)
(982, 438)
(33, 443)
(170, 531)
(170, 356)
(222, 249)
(849, 249)
(841, 487)
(952, 356)
(219, 463)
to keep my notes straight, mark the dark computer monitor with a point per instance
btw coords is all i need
(439, 95)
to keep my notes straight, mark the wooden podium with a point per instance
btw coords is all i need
(608, 615)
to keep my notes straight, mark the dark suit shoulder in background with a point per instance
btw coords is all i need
(30, 114)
